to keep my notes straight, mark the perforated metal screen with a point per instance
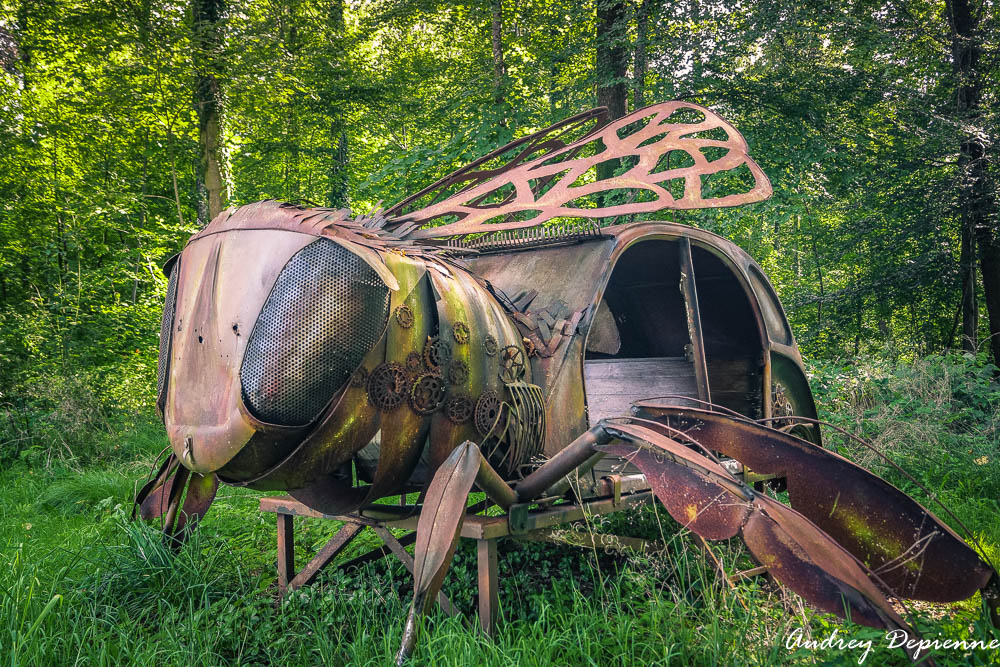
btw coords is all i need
(166, 326)
(327, 309)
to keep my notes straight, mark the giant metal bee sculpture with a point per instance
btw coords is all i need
(453, 340)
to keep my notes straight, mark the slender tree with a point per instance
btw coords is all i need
(612, 56)
(977, 206)
(499, 69)
(207, 55)
(612, 65)
(337, 189)
(641, 60)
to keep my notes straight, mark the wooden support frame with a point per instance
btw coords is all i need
(520, 523)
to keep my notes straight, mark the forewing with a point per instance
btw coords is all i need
(537, 144)
(664, 156)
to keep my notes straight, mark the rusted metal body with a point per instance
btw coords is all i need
(347, 360)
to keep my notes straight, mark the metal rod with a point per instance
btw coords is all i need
(493, 485)
(565, 482)
(690, 291)
(486, 556)
(560, 465)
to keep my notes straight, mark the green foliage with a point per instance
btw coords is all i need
(848, 109)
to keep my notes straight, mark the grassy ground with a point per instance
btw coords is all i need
(84, 585)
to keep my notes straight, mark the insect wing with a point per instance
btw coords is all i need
(548, 140)
(565, 184)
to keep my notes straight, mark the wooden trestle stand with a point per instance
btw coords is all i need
(523, 521)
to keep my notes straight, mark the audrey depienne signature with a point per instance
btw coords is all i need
(893, 639)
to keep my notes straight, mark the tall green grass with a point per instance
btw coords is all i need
(81, 584)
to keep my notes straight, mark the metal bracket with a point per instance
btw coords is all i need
(517, 518)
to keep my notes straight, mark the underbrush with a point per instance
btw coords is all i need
(85, 585)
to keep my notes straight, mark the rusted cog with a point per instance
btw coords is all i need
(387, 386)
(359, 376)
(511, 363)
(460, 331)
(428, 393)
(490, 345)
(414, 362)
(488, 409)
(459, 409)
(458, 372)
(404, 316)
(437, 353)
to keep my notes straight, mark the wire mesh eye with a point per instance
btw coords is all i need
(327, 309)
(166, 329)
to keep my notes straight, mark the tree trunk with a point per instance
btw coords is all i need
(206, 45)
(612, 62)
(337, 196)
(967, 273)
(499, 70)
(612, 66)
(337, 193)
(977, 206)
(640, 62)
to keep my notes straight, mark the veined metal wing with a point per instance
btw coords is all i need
(663, 157)
(538, 144)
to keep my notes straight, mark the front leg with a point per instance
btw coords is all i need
(437, 534)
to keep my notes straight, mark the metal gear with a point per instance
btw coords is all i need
(359, 376)
(404, 316)
(490, 345)
(460, 331)
(428, 393)
(487, 412)
(458, 372)
(387, 386)
(459, 409)
(414, 362)
(511, 363)
(437, 353)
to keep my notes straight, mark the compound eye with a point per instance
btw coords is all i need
(327, 310)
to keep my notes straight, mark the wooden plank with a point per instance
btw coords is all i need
(489, 600)
(286, 551)
(613, 384)
(651, 366)
(473, 526)
(636, 384)
(323, 557)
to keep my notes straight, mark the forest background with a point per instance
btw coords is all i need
(126, 125)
